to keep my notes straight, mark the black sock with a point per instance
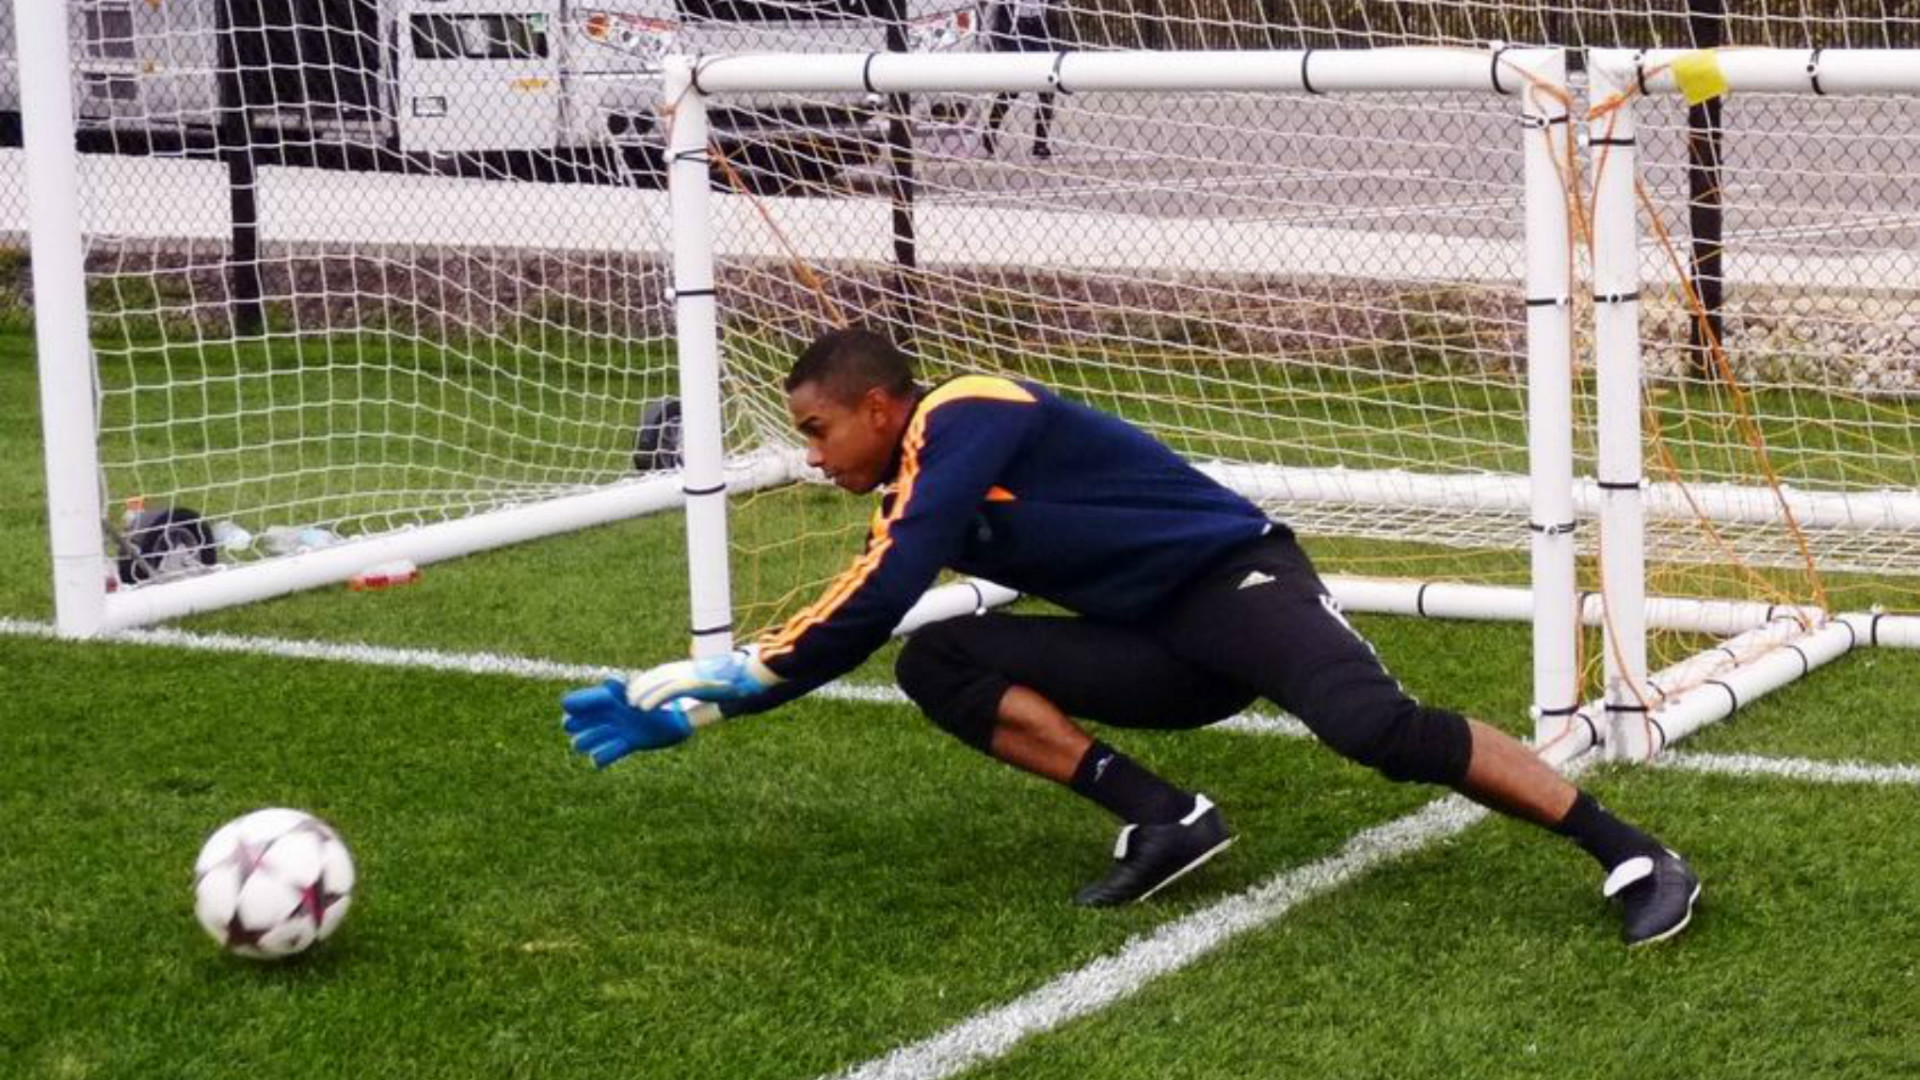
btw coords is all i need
(1127, 790)
(1605, 837)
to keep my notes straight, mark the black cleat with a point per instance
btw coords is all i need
(1148, 858)
(1656, 896)
(1042, 151)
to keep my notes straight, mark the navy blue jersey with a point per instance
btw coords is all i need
(1007, 481)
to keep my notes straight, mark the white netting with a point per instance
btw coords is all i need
(1262, 279)
(413, 335)
(1820, 322)
(1332, 285)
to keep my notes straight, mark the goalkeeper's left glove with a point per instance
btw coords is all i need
(726, 677)
(605, 728)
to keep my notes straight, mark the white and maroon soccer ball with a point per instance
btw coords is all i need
(272, 883)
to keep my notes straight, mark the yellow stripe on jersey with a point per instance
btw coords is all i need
(990, 387)
(964, 388)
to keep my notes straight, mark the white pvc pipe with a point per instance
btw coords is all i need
(1886, 510)
(1549, 285)
(1312, 71)
(1616, 337)
(1728, 684)
(1742, 648)
(74, 507)
(970, 597)
(1722, 695)
(1793, 71)
(1489, 492)
(1741, 621)
(697, 332)
(1721, 618)
(1506, 603)
(1880, 628)
(239, 584)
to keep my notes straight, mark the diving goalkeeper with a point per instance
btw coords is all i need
(1189, 603)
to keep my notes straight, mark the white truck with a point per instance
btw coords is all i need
(451, 77)
(9, 80)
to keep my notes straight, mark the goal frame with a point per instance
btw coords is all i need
(1767, 645)
(1536, 78)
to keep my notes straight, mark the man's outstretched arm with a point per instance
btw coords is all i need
(957, 445)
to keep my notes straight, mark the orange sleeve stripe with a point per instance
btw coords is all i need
(967, 387)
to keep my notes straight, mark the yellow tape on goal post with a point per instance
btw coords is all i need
(1699, 76)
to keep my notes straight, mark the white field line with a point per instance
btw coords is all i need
(1842, 772)
(1116, 976)
(494, 664)
(1112, 978)
(1805, 769)
(371, 655)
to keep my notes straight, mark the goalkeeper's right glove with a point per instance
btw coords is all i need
(728, 676)
(605, 728)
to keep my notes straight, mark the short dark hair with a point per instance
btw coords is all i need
(847, 363)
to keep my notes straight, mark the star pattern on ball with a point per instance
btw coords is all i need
(242, 936)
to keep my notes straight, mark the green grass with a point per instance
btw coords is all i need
(792, 895)
(1491, 957)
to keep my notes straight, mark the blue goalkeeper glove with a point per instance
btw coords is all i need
(726, 677)
(605, 728)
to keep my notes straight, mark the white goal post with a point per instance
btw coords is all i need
(1534, 78)
(1616, 78)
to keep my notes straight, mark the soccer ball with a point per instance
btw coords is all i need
(271, 883)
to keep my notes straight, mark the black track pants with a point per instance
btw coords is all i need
(1258, 625)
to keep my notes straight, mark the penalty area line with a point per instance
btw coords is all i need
(1163, 951)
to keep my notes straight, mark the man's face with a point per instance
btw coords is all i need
(852, 443)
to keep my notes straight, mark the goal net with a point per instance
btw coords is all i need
(326, 284)
(1370, 335)
(1327, 284)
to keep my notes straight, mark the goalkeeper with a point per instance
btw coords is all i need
(1189, 603)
